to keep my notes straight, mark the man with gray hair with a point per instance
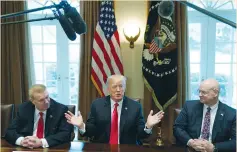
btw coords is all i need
(207, 124)
(115, 119)
(39, 122)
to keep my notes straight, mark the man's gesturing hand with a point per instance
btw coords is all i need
(154, 119)
(75, 120)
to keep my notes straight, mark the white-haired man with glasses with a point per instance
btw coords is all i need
(207, 125)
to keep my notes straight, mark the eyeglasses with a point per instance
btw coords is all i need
(202, 92)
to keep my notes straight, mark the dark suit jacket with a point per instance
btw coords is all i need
(57, 130)
(188, 125)
(131, 121)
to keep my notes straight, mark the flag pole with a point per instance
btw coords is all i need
(159, 140)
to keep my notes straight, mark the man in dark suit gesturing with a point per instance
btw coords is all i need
(39, 122)
(207, 125)
(115, 119)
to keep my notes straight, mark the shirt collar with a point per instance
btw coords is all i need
(212, 107)
(113, 102)
(37, 112)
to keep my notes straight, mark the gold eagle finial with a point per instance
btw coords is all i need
(132, 39)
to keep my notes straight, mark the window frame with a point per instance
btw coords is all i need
(207, 57)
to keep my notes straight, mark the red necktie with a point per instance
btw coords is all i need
(114, 126)
(40, 129)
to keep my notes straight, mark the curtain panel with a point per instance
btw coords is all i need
(15, 55)
(87, 91)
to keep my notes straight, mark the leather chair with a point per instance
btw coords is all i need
(7, 113)
(176, 112)
(137, 99)
(72, 109)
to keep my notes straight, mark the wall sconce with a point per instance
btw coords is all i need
(132, 38)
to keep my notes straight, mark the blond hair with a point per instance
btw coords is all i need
(36, 88)
(123, 78)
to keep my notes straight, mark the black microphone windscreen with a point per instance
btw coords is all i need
(166, 8)
(67, 27)
(77, 22)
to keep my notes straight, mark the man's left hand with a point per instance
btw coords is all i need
(34, 142)
(154, 119)
(209, 147)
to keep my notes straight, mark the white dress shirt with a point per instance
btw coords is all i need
(119, 109)
(36, 120)
(213, 115)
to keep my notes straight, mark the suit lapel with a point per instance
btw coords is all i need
(49, 117)
(107, 110)
(31, 117)
(123, 116)
(199, 115)
(218, 120)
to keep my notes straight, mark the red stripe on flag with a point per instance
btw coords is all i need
(119, 62)
(116, 35)
(102, 47)
(99, 64)
(116, 58)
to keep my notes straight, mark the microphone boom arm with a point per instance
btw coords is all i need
(29, 11)
(64, 19)
(32, 20)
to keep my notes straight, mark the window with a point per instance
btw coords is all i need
(55, 57)
(212, 49)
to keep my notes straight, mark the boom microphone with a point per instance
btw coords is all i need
(166, 8)
(76, 20)
(66, 25)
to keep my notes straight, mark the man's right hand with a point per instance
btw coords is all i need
(197, 144)
(75, 120)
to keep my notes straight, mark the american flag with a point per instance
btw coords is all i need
(106, 56)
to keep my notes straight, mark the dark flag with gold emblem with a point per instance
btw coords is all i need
(159, 58)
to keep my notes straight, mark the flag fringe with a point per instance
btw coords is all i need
(169, 102)
(96, 86)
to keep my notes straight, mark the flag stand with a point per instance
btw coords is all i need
(159, 141)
